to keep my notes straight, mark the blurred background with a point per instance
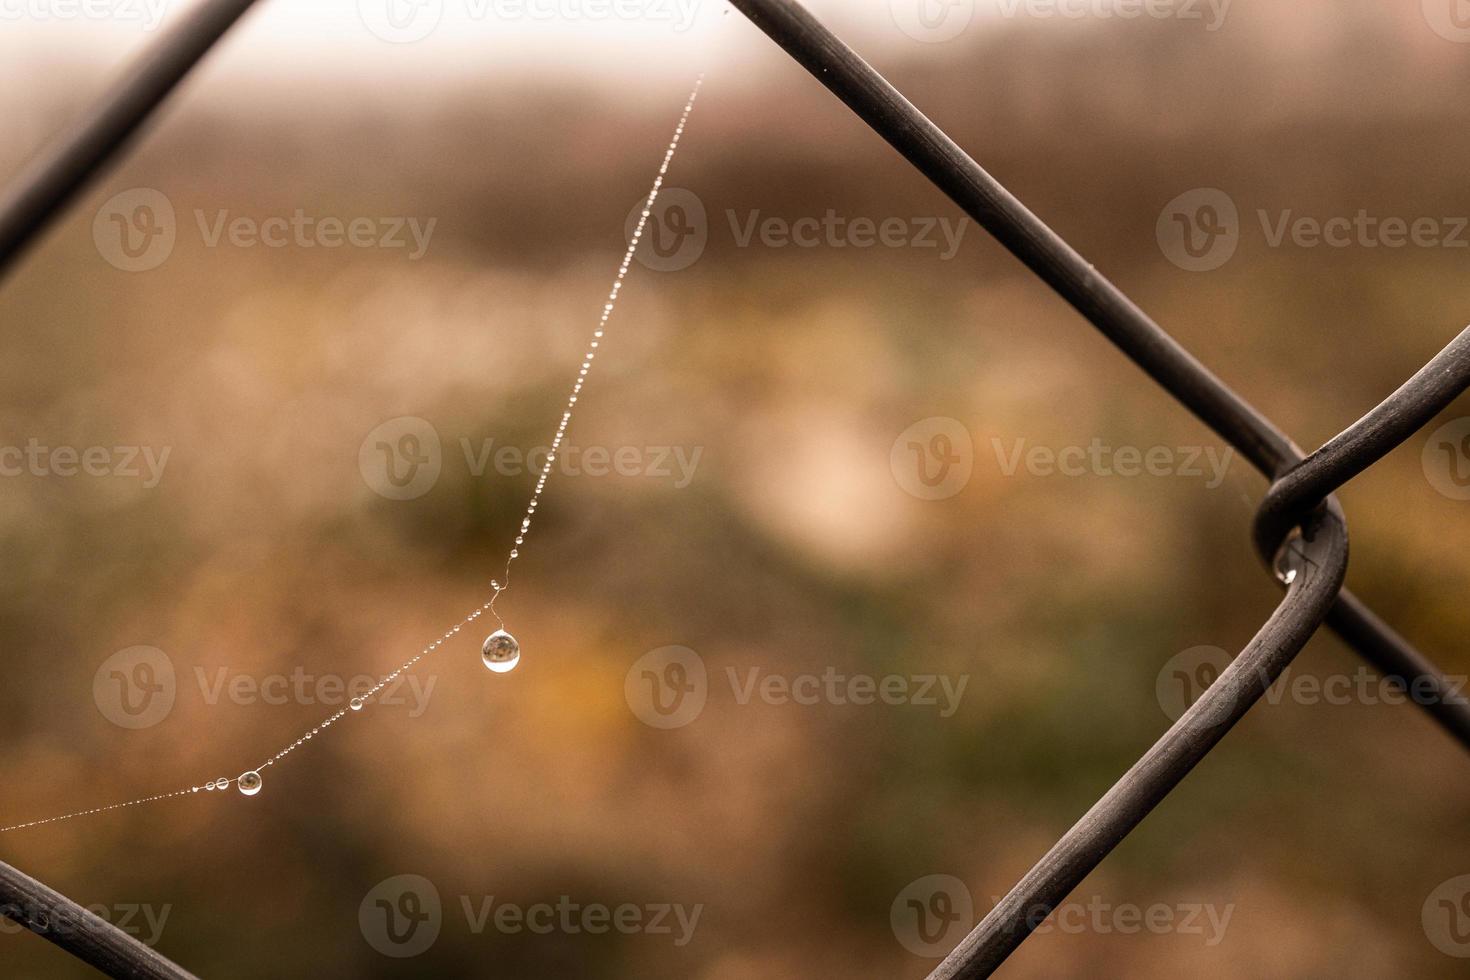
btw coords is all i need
(820, 478)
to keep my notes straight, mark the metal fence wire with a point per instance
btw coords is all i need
(1300, 530)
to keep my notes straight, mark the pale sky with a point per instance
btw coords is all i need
(404, 38)
(399, 48)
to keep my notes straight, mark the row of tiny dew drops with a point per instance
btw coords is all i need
(501, 652)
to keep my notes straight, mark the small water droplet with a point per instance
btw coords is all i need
(356, 704)
(249, 783)
(501, 652)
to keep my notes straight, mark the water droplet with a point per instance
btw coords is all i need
(501, 652)
(356, 704)
(249, 783)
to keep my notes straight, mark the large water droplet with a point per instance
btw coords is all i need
(250, 783)
(501, 652)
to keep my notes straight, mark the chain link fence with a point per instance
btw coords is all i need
(1300, 530)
